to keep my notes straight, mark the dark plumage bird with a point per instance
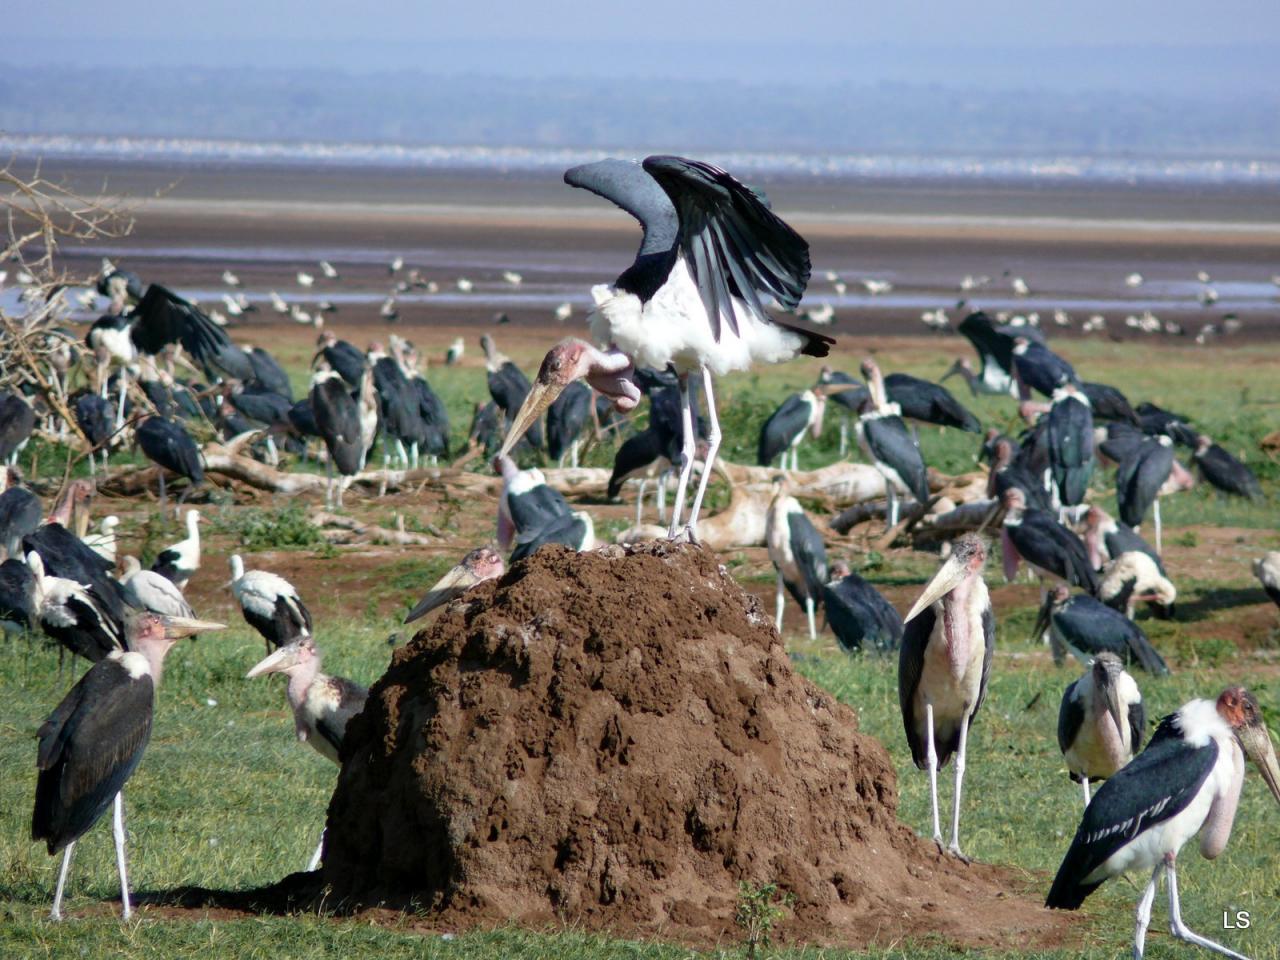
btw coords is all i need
(509, 387)
(74, 615)
(268, 373)
(17, 420)
(1224, 471)
(995, 352)
(342, 357)
(929, 402)
(170, 447)
(798, 553)
(1186, 782)
(93, 741)
(1121, 441)
(93, 416)
(567, 417)
(17, 597)
(270, 604)
(1156, 421)
(859, 615)
(162, 317)
(337, 417)
(1069, 434)
(888, 443)
(1141, 479)
(1107, 539)
(1108, 403)
(1051, 549)
(786, 427)
(1038, 368)
(1086, 627)
(571, 529)
(527, 506)
(1006, 472)
(20, 516)
(486, 428)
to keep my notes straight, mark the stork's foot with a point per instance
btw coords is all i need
(686, 535)
(954, 850)
(942, 847)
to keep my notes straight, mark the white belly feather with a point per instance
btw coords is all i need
(672, 327)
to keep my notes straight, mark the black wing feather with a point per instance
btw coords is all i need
(915, 637)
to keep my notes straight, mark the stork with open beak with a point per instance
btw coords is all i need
(945, 661)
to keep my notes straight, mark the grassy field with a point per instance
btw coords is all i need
(227, 799)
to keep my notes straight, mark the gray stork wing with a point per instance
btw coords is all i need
(891, 442)
(627, 184)
(1137, 725)
(1070, 717)
(1155, 786)
(734, 245)
(810, 553)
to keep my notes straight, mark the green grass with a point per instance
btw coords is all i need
(226, 797)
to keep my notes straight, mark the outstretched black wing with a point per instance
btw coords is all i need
(628, 185)
(164, 318)
(734, 244)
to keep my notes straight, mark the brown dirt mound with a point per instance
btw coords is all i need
(615, 740)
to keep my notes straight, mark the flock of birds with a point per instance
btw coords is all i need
(691, 308)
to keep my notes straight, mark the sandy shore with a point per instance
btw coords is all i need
(1073, 244)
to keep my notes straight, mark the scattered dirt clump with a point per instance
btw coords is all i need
(617, 739)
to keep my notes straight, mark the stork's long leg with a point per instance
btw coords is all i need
(328, 487)
(955, 808)
(893, 502)
(315, 857)
(640, 501)
(56, 912)
(162, 489)
(931, 757)
(1155, 510)
(573, 452)
(1085, 781)
(1144, 912)
(778, 615)
(688, 449)
(1180, 929)
(808, 608)
(661, 496)
(844, 435)
(713, 447)
(117, 829)
(124, 389)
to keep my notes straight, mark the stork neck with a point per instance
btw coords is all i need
(956, 624)
(301, 678)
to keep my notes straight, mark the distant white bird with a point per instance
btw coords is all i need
(936, 320)
(218, 317)
(4, 275)
(840, 287)
(1061, 317)
(1096, 322)
(396, 265)
(1020, 286)
(305, 279)
(512, 277)
(832, 276)
(301, 316)
(455, 352)
(1203, 276)
(103, 543)
(876, 287)
(277, 303)
(465, 285)
(180, 561)
(1231, 324)
(1173, 328)
(1133, 280)
(327, 269)
(821, 315)
(325, 306)
(230, 279)
(432, 287)
(970, 282)
(1207, 333)
(564, 311)
(24, 278)
(233, 307)
(389, 310)
(1208, 296)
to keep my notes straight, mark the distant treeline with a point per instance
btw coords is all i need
(475, 110)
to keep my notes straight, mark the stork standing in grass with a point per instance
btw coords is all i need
(712, 257)
(270, 604)
(180, 561)
(943, 667)
(322, 704)
(93, 741)
(1101, 722)
(1186, 782)
(799, 414)
(1086, 628)
(148, 590)
(888, 443)
(798, 554)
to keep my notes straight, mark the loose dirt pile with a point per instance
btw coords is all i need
(615, 740)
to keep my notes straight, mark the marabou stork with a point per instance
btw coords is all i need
(119, 286)
(322, 704)
(526, 505)
(995, 351)
(859, 614)
(75, 615)
(170, 447)
(93, 416)
(1069, 433)
(1224, 471)
(948, 643)
(888, 443)
(163, 318)
(1038, 368)
(1140, 479)
(786, 427)
(486, 428)
(398, 410)
(434, 440)
(337, 419)
(1118, 440)
(270, 604)
(17, 420)
(1006, 472)
(509, 388)
(1101, 722)
(1049, 548)
(180, 561)
(1187, 781)
(1135, 576)
(1267, 569)
(1086, 627)
(1156, 420)
(567, 417)
(342, 357)
(713, 253)
(575, 530)
(644, 455)
(17, 597)
(20, 515)
(798, 553)
(93, 741)
(151, 591)
(1108, 403)
(928, 402)
(268, 373)
(263, 406)
(479, 565)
